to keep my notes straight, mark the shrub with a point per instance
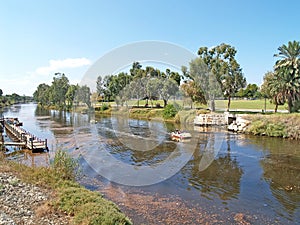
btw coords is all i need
(170, 111)
(65, 165)
(104, 107)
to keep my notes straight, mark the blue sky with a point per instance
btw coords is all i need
(39, 38)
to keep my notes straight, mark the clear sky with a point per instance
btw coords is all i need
(39, 38)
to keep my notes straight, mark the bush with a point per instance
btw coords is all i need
(269, 128)
(170, 111)
(65, 165)
(104, 107)
(89, 207)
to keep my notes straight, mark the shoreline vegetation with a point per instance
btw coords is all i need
(261, 124)
(68, 198)
(284, 125)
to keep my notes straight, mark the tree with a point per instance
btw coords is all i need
(221, 61)
(175, 76)
(195, 93)
(272, 89)
(59, 88)
(287, 71)
(169, 88)
(100, 86)
(83, 94)
(70, 95)
(41, 95)
(136, 66)
(251, 91)
(1, 92)
(153, 87)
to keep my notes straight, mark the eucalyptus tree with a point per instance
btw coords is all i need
(153, 87)
(136, 66)
(100, 87)
(41, 94)
(58, 90)
(70, 95)
(169, 88)
(221, 61)
(83, 94)
(287, 71)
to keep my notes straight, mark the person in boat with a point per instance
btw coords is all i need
(177, 131)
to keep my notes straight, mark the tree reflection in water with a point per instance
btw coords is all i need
(281, 166)
(222, 177)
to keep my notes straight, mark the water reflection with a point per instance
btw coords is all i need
(221, 177)
(281, 170)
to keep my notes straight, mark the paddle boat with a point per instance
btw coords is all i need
(180, 135)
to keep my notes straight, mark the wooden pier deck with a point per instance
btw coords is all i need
(22, 137)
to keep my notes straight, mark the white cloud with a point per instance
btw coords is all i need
(56, 65)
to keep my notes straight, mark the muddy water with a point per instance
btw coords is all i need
(216, 177)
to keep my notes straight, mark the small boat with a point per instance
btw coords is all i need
(180, 135)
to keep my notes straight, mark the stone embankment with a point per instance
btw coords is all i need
(23, 203)
(240, 124)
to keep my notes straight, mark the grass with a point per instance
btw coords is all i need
(85, 207)
(275, 125)
(257, 104)
(248, 104)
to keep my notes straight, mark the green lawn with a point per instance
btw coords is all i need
(248, 104)
(258, 104)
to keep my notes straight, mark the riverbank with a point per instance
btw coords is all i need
(40, 195)
(274, 125)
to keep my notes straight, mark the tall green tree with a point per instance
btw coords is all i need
(136, 66)
(272, 89)
(221, 61)
(70, 95)
(1, 92)
(192, 90)
(100, 87)
(83, 94)
(59, 88)
(169, 88)
(41, 95)
(287, 71)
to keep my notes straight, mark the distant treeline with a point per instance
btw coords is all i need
(6, 100)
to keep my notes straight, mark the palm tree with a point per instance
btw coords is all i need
(287, 72)
(272, 89)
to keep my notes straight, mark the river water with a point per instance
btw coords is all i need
(216, 177)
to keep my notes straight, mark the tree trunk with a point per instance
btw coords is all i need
(290, 103)
(276, 108)
(212, 104)
(229, 101)
(165, 103)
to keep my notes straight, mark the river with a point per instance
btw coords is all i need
(216, 177)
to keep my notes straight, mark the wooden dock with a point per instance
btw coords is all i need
(21, 137)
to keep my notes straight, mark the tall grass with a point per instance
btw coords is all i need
(86, 207)
(275, 125)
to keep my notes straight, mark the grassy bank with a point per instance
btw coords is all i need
(162, 114)
(84, 206)
(275, 125)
